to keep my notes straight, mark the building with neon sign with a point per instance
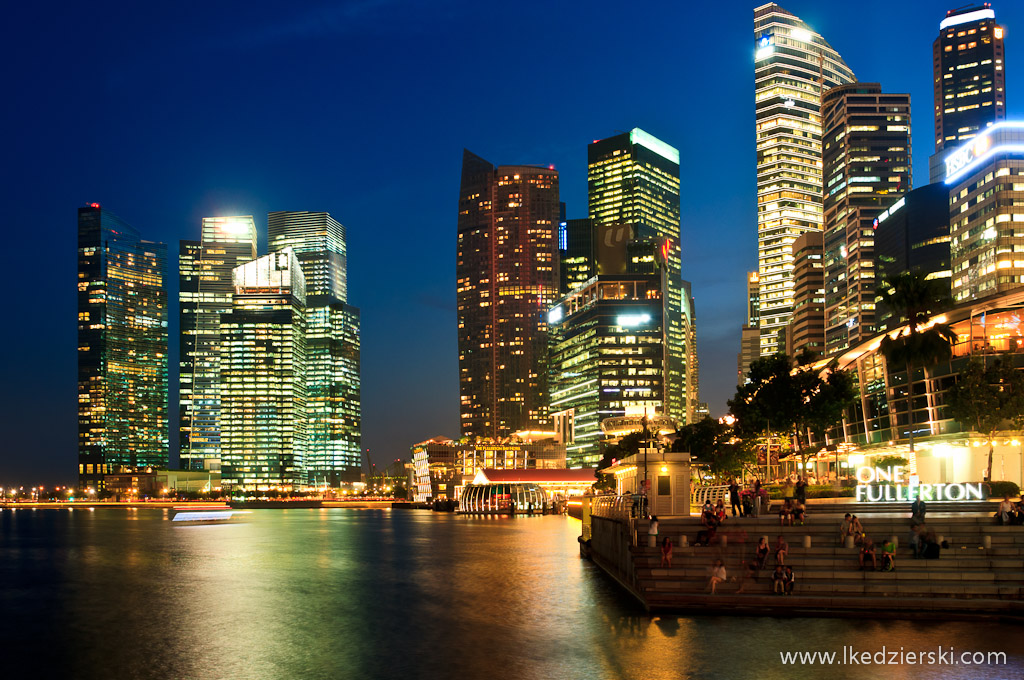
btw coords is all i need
(333, 406)
(984, 177)
(633, 196)
(205, 291)
(263, 372)
(607, 357)
(506, 270)
(866, 160)
(792, 66)
(122, 348)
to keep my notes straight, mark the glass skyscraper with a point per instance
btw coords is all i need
(506, 271)
(333, 448)
(263, 374)
(793, 65)
(206, 292)
(633, 192)
(122, 347)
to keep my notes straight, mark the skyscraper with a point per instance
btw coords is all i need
(969, 77)
(689, 318)
(576, 250)
(807, 329)
(122, 347)
(506, 269)
(633, 187)
(263, 373)
(793, 65)
(333, 450)
(750, 335)
(206, 292)
(866, 155)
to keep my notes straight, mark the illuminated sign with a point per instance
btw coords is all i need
(965, 154)
(630, 320)
(555, 315)
(889, 211)
(898, 488)
(967, 17)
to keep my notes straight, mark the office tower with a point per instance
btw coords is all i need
(263, 374)
(205, 292)
(984, 212)
(692, 363)
(507, 278)
(333, 407)
(607, 358)
(793, 65)
(969, 79)
(633, 187)
(807, 329)
(912, 235)
(122, 348)
(576, 250)
(750, 335)
(866, 156)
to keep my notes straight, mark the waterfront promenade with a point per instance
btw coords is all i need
(980, 574)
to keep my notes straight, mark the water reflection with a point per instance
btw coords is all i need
(373, 593)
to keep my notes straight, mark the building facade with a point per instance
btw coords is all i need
(263, 372)
(122, 348)
(507, 276)
(633, 195)
(750, 335)
(205, 291)
(333, 397)
(793, 66)
(608, 356)
(576, 250)
(866, 157)
(912, 235)
(807, 329)
(689, 317)
(985, 179)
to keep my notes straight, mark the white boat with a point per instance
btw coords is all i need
(205, 514)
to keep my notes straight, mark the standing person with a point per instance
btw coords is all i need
(917, 509)
(666, 552)
(801, 490)
(788, 490)
(757, 497)
(652, 531)
(734, 498)
(718, 575)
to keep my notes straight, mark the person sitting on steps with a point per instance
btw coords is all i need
(790, 580)
(888, 555)
(867, 554)
(779, 581)
(786, 513)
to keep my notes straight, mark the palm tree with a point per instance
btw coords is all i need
(915, 298)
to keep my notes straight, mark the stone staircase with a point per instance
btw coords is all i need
(968, 577)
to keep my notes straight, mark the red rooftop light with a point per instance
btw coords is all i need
(94, 205)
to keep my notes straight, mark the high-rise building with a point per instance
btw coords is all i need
(750, 335)
(985, 213)
(866, 156)
(507, 278)
(969, 78)
(333, 450)
(576, 249)
(122, 347)
(205, 292)
(912, 235)
(633, 187)
(807, 329)
(607, 358)
(793, 66)
(263, 374)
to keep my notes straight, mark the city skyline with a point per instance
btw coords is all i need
(409, 368)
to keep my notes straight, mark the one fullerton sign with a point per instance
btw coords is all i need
(900, 488)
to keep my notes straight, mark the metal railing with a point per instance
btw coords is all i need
(699, 495)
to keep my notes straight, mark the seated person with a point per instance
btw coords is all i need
(786, 513)
(931, 549)
(1004, 514)
(705, 536)
(845, 528)
(867, 554)
(799, 513)
(888, 555)
(749, 573)
(720, 510)
(762, 553)
(708, 517)
(791, 580)
(779, 581)
(781, 550)
(718, 575)
(857, 531)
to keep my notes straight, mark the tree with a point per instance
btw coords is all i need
(985, 397)
(715, 444)
(915, 298)
(791, 400)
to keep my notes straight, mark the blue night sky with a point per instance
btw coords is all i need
(362, 109)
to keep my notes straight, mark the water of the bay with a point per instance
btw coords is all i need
(345, 593)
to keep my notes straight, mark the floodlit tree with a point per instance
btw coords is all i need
(915, 297)
(715, 444)
(985, 397)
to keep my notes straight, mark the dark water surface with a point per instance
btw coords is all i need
(338, 593)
